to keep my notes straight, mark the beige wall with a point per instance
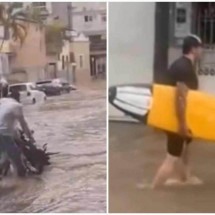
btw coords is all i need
(81, 48)
(32, 55)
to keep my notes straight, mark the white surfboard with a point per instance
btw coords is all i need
(133, 100)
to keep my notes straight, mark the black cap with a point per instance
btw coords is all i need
(191, 41)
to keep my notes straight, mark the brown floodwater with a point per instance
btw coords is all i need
(75, 126)
(136, 152)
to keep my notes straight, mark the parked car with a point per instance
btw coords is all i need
(64, 85)
(28, 93)
(48, 88)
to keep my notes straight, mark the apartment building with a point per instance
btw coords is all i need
(148, 36)
(88, 18)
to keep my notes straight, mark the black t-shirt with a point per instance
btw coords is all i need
(182, 70)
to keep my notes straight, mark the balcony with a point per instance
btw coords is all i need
(99, 45)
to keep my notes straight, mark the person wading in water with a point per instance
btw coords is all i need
(181, 75)
(11, 112)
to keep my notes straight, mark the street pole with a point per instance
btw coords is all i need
(69, 14)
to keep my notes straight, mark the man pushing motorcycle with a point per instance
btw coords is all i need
(11, 112)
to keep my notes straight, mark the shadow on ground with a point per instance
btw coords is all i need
(135, 154)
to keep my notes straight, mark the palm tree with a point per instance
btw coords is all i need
(11, 19)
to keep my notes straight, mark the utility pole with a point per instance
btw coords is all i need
(69, 14)
(70, 28)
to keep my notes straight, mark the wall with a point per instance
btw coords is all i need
(82, 74)
(96, 9)
(131, 44)
(60, 9)
(32, 55)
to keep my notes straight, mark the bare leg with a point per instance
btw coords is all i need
(166, 170)
(183, 170)
(186, 163)
(186, 159)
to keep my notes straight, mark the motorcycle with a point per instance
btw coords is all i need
(34, 157)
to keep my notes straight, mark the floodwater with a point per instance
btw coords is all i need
(136, 152)
(75, 126)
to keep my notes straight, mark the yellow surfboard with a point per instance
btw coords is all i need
(200, 111)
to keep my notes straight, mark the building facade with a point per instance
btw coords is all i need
(74, 65)
(147, 38)
(88, 18)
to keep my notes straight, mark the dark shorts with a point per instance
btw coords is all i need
(175, 144)
(9, 148)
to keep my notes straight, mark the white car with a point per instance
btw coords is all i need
(28, 93)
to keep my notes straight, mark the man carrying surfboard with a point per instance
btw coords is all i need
(181, 75)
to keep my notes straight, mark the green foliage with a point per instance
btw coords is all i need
(14, 18)
(54, 38)
(10, 17)
(34, 14)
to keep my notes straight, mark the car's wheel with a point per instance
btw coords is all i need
(33, 101)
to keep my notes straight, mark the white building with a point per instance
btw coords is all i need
(131, 45)
(147, 37)
(89, 17)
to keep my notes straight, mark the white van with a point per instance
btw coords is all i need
(28, 93)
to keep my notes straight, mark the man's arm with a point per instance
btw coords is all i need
(24, 125)
(180, 102)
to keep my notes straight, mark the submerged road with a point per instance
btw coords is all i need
(75, 126)
(135, 154)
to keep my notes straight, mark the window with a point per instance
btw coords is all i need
(43, 82)
(95, 38)
(181, 15)
(32, 87)
(99, 68)
(88, 18)
(81, 61)
(39, 4)
(205, 22)
(18, 88)
(71, 57)
(104, 18)
(18, 4)
(63, 62)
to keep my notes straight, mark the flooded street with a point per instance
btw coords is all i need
(75, 126)
(136, 152)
